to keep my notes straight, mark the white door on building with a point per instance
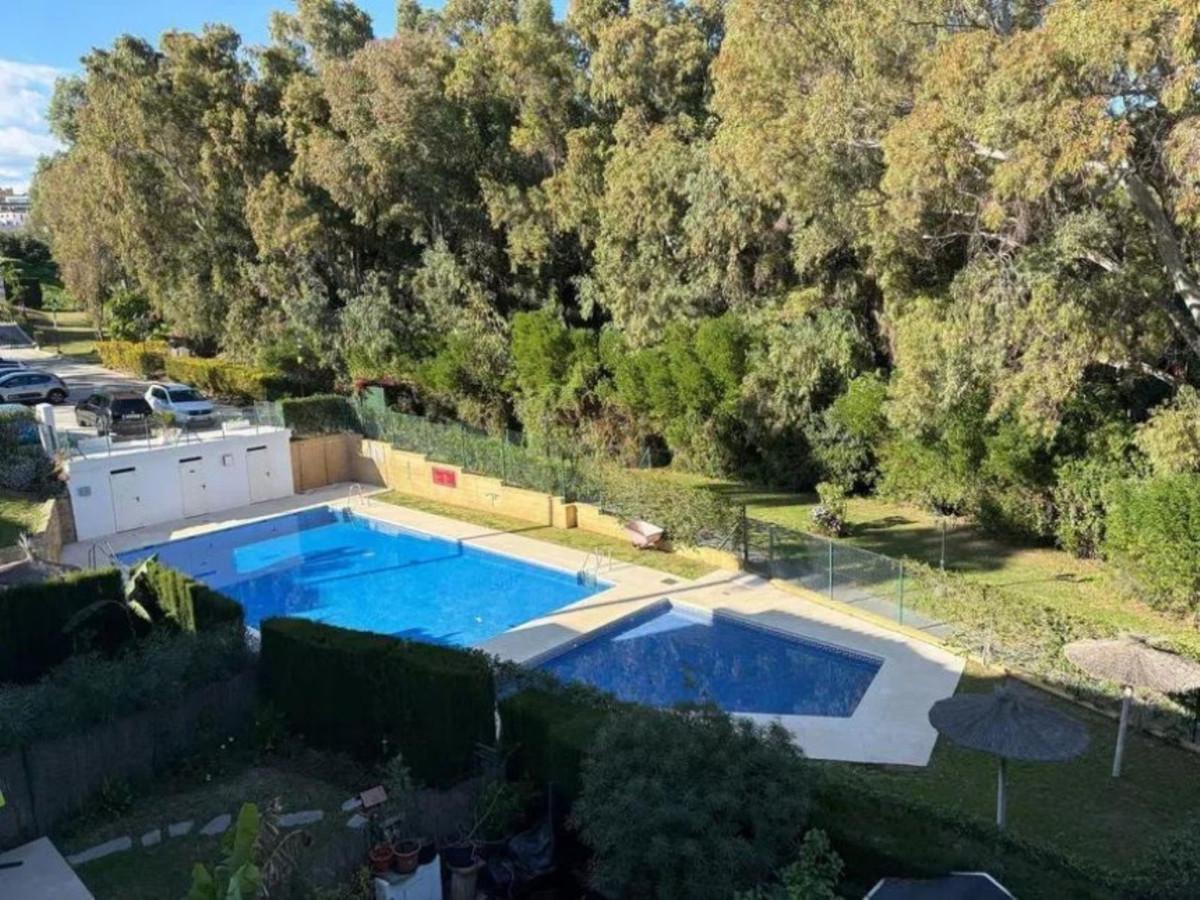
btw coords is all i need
(128, 511)
(258, 470)
(193, 484)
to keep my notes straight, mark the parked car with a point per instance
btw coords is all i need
(114, 412)
(32, 386)
(188, 404)
(9, 365)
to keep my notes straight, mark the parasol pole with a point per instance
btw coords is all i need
(1126, 702)
(1001, 796)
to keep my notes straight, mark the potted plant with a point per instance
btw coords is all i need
(381, 856)
(402, 804)
(407, 853)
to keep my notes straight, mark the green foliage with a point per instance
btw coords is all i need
(128, 316)
(318, 414)
(689, 805)
(1080, 502)
(91, 688)
(373, 695)
(1172, 869)
(829, 516)
(33, 620)
(224, 379)
(237, 876)
(144, 358)
(28, 470)
(1153, 530)
(189, 604)
(1171, 437)
(814, 876)
(15, 422)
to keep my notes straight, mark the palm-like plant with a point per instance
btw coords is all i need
(136, 603)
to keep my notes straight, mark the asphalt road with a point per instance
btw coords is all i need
(82, 379)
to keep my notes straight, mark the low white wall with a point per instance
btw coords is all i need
(160, 489)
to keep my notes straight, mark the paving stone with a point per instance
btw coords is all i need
(352, 804)
(179, 829)
(116, 845)
(356, 821)
(150, 838)
(218, 825)
(306, 817)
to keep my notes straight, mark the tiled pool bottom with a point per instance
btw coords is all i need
(672, 654)
(332, 566)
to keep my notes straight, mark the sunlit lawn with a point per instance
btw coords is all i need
(18, 514)
(69, 333)
(575, 538)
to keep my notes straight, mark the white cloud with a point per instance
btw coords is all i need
(25, 90)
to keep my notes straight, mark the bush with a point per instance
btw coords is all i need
(90, 688)
(1080, 505)
(15, 422)
(144, 358)
(234, 382)
(814, 876)
(129, 316)
(188, 603)
(1153, 533)
(319, 414)
(689, 805)
(1171, 437)
(374, 696)
(829, 516)
(28, 470)
(33, 618)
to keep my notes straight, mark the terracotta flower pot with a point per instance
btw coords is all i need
(407, 855)
(380, 857)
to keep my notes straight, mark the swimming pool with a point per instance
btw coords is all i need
(333, 566)
(671, 654)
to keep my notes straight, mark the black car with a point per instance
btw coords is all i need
(115, 412)
(31, 386)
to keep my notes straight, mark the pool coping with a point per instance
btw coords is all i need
(889, 726)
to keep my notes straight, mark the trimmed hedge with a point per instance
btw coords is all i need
(319, 414)
(224, 379)
(191, 605)
(32, 618)
(373, 695)
(145, 358)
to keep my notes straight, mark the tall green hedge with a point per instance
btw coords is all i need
(188, 603)
(319, 414)
(33, 618)
(145, 358)
(223, 378)
(373, 695)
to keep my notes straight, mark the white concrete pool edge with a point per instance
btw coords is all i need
(890, 724)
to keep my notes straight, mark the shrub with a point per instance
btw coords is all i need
(15, 423)
(1153, 533)
(28, 470)
(1171, 871)
(319, 414)
(374, 695)
(90, 688)
(1171, 437)
(1080, 506)
(689, 805)
(814, 876)
(33, 618)
(129, 316)
(829, 516)
(226, 380)
(145, 358)
(188, 603)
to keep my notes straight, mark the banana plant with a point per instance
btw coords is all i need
(237, 876)
(133, 602)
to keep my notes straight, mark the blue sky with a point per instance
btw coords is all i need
(41, 40)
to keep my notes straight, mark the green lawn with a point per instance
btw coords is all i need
(164, 871)
(1076, 806)
(70, 333)
(567, 537)
(18, 514)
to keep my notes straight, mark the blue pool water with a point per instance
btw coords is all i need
(334, 567)
(672, 655)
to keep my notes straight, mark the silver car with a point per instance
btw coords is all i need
(32, 386)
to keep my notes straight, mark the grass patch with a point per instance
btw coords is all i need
(19, 513)
(70, 333)
(1076, 806)
(152, 873)
(575, 538)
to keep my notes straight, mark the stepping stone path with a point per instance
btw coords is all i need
(306, 817)
(150, 838)
(116, 845)
(179, 829)
(219, 825)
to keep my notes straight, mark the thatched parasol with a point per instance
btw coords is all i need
(1009, 726)
(1131, 662)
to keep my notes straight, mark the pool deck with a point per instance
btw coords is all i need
(890, 724)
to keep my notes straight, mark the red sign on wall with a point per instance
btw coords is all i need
(445, 477)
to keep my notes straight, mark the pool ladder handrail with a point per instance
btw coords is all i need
(594, 562)
(356, 490)
(105, 547)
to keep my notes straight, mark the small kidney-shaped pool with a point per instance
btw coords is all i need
(672, 653)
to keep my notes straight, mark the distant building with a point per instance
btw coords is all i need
(14, 210)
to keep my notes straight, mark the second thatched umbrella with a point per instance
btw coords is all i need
(1132, 662)
(1010, 726)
